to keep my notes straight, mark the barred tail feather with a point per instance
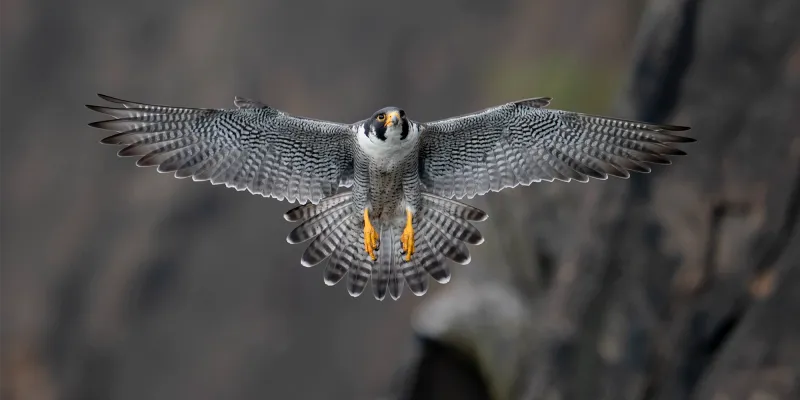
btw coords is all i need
(412, 271)
(339, 263)
(360, 270)
(449, 246)
(314, 225)
(433, 262)
(327, 242)
(396, 274)
(337, 266)
(385, 263)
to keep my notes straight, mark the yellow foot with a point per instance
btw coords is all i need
(407, 238)
(370, 236)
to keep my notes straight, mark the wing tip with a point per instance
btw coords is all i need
(111, 140)
(102, 125)
(110, 98)
(95, 108)
(671, 137)
(683, 139)
(673, 128)
(145, 161)
(676, 152)
(667, 130)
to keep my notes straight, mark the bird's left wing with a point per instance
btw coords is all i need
(253, 146)
(523, 142)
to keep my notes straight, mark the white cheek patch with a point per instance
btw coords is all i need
(371, 145)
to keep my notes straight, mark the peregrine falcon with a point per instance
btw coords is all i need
(399, 221)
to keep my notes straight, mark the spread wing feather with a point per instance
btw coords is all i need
(523, 142)
(253, 146)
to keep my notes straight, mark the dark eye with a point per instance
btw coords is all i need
(402, 114)
(381, 117)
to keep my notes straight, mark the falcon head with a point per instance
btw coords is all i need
(387, 123)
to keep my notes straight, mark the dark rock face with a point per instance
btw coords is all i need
(681, 284)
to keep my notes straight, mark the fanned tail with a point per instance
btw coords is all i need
(318, 223)
(442, 230)
(327, 222)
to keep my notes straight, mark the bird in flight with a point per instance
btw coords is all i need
(400, 220)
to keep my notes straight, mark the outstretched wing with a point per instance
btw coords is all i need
(523, 142)
(253, 146)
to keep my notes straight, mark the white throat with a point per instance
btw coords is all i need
(391, 149)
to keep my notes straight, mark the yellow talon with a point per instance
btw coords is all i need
(370, 236)
(407, 238)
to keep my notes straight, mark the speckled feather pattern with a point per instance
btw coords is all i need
(522, 143)
(260, 149)
(253, 147)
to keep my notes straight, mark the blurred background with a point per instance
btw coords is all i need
(121, 283)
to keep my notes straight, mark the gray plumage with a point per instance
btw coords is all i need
(404, 175)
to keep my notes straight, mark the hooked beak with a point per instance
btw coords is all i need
(392, 119)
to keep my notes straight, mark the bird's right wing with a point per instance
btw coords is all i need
(253, 146)
(523, 142)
